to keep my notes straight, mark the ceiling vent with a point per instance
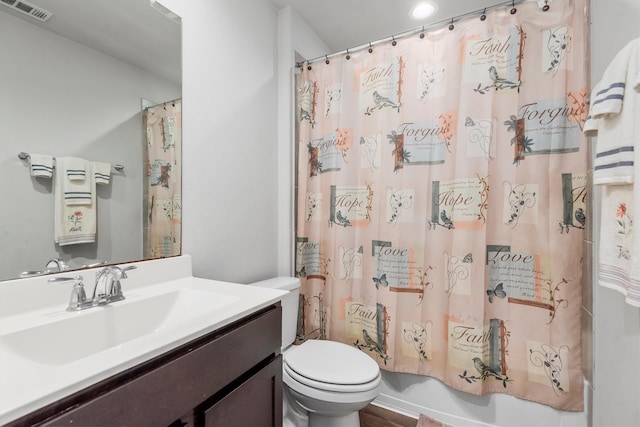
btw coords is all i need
(28, 9)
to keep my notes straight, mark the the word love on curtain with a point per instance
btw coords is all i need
(441, 202)
(163, 180)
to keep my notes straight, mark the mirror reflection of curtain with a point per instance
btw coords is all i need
(163, 180)
(442, 202)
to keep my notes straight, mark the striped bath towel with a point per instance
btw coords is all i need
(74, 223)
(612, 117)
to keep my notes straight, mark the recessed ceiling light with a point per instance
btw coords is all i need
(423, 10)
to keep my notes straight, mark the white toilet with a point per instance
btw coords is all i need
(326, 383)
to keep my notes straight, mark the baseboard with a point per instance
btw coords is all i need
(382, 403)
(409, 409)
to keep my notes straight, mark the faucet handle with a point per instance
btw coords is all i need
(119, 274)
(76, 279)
(78, 299)
(126, 268)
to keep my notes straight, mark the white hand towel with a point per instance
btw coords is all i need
(101, 172)
(41, 165)
(73, 224)
(76, 169)
(612, 117)
(76, 191)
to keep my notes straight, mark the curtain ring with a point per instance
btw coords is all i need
(308, 66)
(513, 7)
(348, 56)
(393, 41)
(326, 59)
(370, 48)
(484, 14)
(422, 33)
(451, 26)
(546, 6)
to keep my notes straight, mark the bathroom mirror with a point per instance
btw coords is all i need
(74, 75)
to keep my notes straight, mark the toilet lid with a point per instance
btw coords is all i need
(331, 362)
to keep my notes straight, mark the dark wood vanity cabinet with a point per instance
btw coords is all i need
(230, 377)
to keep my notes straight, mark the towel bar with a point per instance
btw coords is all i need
(25, 156)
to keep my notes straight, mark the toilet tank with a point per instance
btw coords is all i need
(289, 305)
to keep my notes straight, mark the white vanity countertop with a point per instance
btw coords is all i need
(42, 372)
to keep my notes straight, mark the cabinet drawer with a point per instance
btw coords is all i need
(162, 395)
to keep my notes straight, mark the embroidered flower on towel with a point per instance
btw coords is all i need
(75, 221)
(625, 222)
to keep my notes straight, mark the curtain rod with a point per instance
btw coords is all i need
(172, 101)
(544, 5)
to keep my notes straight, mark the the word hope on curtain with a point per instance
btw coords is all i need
(441, 202)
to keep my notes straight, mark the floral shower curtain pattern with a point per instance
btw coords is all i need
(441, 202)
(163, 180)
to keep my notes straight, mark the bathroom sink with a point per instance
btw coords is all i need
(67, 337)
(65, 352)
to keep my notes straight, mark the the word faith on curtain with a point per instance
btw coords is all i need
(442, 201)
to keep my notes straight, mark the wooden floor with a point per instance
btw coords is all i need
(375, 416)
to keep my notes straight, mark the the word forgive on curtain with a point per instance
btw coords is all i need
(441, 202)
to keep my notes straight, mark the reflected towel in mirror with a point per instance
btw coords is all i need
(74, 224)
(76, 169)
(101, 172)
(78, 189)
(41, 165)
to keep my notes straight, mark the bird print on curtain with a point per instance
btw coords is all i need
(442, 202)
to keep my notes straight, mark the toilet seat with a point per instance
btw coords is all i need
(336, 388)
(331, 366)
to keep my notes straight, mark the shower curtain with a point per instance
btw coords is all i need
(441, 202)
(163, 180)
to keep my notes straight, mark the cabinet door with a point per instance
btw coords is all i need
(257, 402)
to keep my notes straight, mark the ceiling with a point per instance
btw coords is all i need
(136, 33)
(129, 30)
(344, 24)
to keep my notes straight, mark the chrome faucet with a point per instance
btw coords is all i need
(111, 290)
(107, 288)
(56, 265)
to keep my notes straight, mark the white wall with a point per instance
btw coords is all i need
(230, 167)
(616, 376)
(68, 100)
